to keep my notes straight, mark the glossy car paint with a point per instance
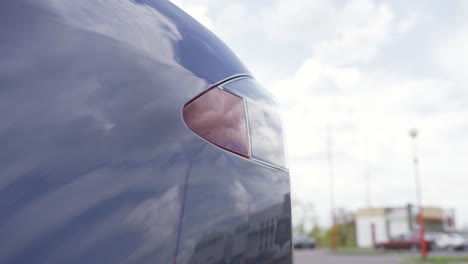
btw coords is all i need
(96, 163)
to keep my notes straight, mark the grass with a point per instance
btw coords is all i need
(430, 260)
(436, 260)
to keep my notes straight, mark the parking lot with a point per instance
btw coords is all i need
(324, 256)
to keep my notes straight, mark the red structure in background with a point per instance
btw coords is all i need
(422, 241)
(334, 234)
(450, 224)
(374, 239)
(422, 244)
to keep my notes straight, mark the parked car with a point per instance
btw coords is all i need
(303, 241)
(465, 237)
(409, 242)
(130, 133)
(453, 241)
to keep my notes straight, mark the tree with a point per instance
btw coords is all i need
(304, 216)
(346, 228)
(346, 231)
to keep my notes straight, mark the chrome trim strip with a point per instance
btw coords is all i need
(268, 164)
(230, 79)
(246, 111)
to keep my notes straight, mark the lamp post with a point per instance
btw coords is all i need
(333, 233)
(422, 243)
(368, 188)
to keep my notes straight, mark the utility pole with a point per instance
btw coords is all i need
(422, 242)
(333, 233)
(368, 187)
(367, 175)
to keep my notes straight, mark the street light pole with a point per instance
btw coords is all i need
(422, 243)
(368, 187)
(333, 233)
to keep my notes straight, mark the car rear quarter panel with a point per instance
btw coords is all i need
(96, 164)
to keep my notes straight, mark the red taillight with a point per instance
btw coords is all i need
(219, 117)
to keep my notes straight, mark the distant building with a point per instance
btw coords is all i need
(375, 225)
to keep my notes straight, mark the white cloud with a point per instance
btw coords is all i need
(197, 11)
(452, 54)
(359, 42)
(353, 32)
(370, 113)
(232, 21)
(298, 20)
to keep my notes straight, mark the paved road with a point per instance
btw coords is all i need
(321, 256)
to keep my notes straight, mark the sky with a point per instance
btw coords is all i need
(369, 71)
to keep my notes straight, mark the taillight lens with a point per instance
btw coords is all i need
(240, 116)
(219, 117)
(266, 133)
(265, 128)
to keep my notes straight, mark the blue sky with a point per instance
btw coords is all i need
(370, 70)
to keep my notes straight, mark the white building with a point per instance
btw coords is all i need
(375, 225)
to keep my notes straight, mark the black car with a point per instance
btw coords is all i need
(303, 241)
(129, 133)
